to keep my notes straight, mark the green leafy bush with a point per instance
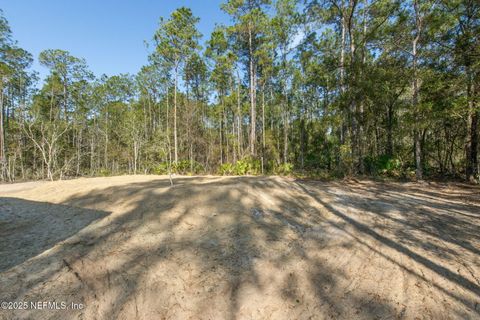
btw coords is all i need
(246, 166)
(242, 167)
(226, 169)
(187, 167)
(105, 172)
(384, 165)
(283, 169)
(161, 168)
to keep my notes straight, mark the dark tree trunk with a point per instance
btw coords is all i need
(472, 132)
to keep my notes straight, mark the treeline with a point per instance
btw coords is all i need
(333, 87)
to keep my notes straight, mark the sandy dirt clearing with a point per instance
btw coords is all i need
(132, 247)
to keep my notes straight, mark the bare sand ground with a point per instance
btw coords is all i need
(133, 247)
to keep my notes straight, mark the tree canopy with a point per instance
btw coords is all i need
(315, 87)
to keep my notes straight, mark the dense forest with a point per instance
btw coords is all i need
(324, 88)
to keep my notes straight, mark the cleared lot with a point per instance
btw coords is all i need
(133, 247)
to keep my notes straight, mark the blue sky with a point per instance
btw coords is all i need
(109, 34)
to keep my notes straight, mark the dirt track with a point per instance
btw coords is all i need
(240, 248)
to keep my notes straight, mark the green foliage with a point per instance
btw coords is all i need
(250, 166)
(246, 166)
(283, 169)
(270, 83)
(187, 167)
(104, 172)
(161, 168)
(177, 36)
(346, 158)
(384, 165)
(226, 169)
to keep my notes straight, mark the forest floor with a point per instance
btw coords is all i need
(133, 247)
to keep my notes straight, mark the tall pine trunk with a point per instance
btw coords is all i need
(175, 141)
(239, 119)
(472, 131)
(3, 158)
(416, 134)
(253, 91)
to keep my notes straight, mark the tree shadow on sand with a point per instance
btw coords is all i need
(29, 228)
(248, 247)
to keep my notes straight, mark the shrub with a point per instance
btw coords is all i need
(283, 169)
(187, 167)
(161, 168)
(246, 166)
(384, 165)
(242, 167)
(226, 169)
(105, 172)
